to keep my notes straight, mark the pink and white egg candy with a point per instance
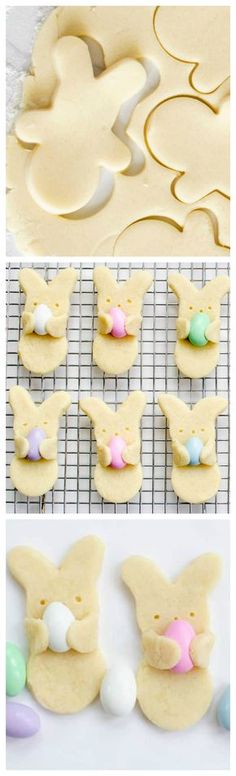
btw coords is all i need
(182, 632)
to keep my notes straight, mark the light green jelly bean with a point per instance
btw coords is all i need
(198, 326)
(15, 670)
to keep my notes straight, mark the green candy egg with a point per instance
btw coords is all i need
(15, 670)
(198, 326)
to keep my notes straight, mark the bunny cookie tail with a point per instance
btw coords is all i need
(118, 486)
(114, 356)
(33, 478)
(173, 701)
(192, 364)
(65, 684)
(196, 484)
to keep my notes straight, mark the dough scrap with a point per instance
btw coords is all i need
(42, 354)
(197, 34)
(62, 682)
(111, 354)
(117, 485)
(195, 361)
(122, 34)
(186, 134)
(34, 478)
(169, 700)
(193, 484)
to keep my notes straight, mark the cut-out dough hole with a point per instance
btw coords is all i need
(192, 614)
(43, 601)
(156, 616)
(78, 599)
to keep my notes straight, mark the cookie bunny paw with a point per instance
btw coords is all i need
(200, 649)
(161, 652)
(37, 635)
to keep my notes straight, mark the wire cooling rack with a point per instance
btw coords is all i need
(154, 371)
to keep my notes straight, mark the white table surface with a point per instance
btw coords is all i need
(92, 739)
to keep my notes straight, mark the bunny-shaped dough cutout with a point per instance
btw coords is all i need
(118, 474)
(197, 34)
(200, 306)
(187, 135)
(195, 474)
(119, 317)
(34, 467)
(171, 700)
(43, 342)
(64, 682)
(159, 236)
(74, 137)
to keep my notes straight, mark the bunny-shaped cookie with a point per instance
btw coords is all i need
(171, 696)
(119, 317)
(67, 681)
(198, 324)
(34, 467)
(118, 474)
(43, 343)
(74, 137)
(195, 473)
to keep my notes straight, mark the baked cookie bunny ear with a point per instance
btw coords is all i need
(141, 575)
(26, 565)
(219, 286)
(96, 409)
(139, 282)
(103, 279)
(84, 558)
(31, 281)
(171, 406)
(56, 404)
(133, 406)
(208, 409)
(65, 281)
(20, 401)
(204, 572)
(180, 284)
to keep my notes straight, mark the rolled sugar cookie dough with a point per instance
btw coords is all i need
(115, 346)
(118, 473)
(173, 701)
(129, 48)
(197, 357)
(43, 342)
(62, 682)
(197, 479)
(34, 467)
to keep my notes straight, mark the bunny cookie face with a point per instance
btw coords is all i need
(195, 473)
(43, 343)
(74, 136)
(119, 318)
(34, 467)
(63, 680)
(118, 473)
(198, 324)
(173, 696)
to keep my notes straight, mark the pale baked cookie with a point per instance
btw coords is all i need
(198, 323)
(119, 318)
(198, 34)
(62, 611)
(122, 33)
(173, 683)
(118, 474)
(43, 342)
(34, 467)
(195, 474)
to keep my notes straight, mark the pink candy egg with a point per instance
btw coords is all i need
(118, 318)
(117, 446)
(182, 632)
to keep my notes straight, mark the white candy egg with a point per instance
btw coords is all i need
(41, 317)
(118, 690)
(57, 617)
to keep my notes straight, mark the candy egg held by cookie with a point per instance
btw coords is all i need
(174, 686)
(198, 323)
(115, 346)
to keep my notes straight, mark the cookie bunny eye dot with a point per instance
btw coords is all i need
(108, 299)
(176, 618)
(127, 428)
(193, 431)
(209, 307)
(190, 307)
(43, 601)
(35, 304)
(45, 422)
(192, 614)
(201, 309)
(181, 430)
(25, 425)
(78, 599)
(202, 429)
(103, 430)
(156, 616)
(56, 304)
(129, 301)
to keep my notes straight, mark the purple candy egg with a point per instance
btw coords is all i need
(35, 437)
(21, 720)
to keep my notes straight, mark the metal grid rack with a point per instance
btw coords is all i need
(154, 371)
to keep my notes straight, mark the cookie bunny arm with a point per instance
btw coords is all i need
(37, 635)
(181, 455)
(104, 455)
(30, 126)
(125, 78)
(48, 449)
(160, 652)
(208, 453)
(82, 634)
(132, 324)
(28, 323)
(182, 328)
(105, 322)
(56, 325)
(21, 447)
(200, 649)
(131, 454)
(213, 331)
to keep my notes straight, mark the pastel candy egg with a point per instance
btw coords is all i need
(223, 709)
(15, 670)
(118, 690)
(58, 618)
(194, 447)
(41, 317)
(118, 317)
(35, 437)
(21, 720)
(198, 326)
(182, 632)
(117, 446)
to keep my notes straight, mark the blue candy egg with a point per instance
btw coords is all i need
(223, 709)
(194, 446)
